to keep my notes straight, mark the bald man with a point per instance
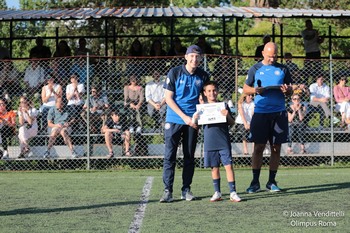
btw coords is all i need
(271, 83)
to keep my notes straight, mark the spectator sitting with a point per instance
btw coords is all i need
(117, 133)
(302, 91)
(59, 120)
(9, 77)
(258, 51)
(293, 68)
(98, 104)
(74, 95)
(245, 114)
(40, 50)
(34, 76)
(79, 68)
(136, 49)
(7, 127)
(296, 113)
(204, 45)
(61, 65)
(177, 49)
(157, 49)
(49, 94)
(28, 129)
(82, 50)
(341, 94)
(63, 50)
(133, 100)
(4, 53)
(154, 93)
(319, 98)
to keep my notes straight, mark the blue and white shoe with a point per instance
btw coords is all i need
(253, 188)
(272, 187)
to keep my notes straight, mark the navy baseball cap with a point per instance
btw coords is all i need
(194, 49)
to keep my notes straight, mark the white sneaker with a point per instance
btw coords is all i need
(138, 129)
(216, 197)
(74, 154)
(131, 130)
(5, 155)
(187, 195)
(234, 197)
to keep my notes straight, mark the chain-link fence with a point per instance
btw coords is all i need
(117, 127)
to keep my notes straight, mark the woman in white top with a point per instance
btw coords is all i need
(245, 113)
(49, 94)
(28, 129)
(74, 95)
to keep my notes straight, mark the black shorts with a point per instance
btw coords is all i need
(272, 127)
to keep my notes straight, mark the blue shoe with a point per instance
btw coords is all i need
(272, 187)
(253, 188)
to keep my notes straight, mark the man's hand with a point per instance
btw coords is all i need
(287, 89)
(188, 121)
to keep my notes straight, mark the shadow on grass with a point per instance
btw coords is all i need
(298, 190)
(25, 211)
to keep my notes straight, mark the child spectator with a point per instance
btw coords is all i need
(117, 133)
(217, 146)
(28, 129)
(7, 127)
(245, 113)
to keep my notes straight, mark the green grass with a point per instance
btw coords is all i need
(107, 201)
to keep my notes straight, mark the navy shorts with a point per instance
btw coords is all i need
(269, 127)
(213, 158)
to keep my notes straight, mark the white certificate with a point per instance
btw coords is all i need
(210, 113)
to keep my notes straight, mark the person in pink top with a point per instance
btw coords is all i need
(341, 94)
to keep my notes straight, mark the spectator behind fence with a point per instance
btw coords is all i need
(4, 53)
(258, 51)
(217, 146)
(155, 98)
(7, 127)
(98, 104)
(74, 95)
(49, 94)
(245, 114)
(302, 90)
(81, 50)
(183, 86)
(293, 68)
(61, 65)
(341, 94)
(9, 79)
(136, 49)
(40, 50)
(312, 42)
(135, 66)
(176, 49)
(296, 113)
(116, 132)
(204, 45)
(79, 67)
(319, 99)
(157, 49)
(224, 74)
(34, 76)
(59, 120)
(133, 100)
(28, 126)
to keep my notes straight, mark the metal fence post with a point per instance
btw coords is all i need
(88, 111)
(332, 107)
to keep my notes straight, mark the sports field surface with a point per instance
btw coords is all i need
(313, 200)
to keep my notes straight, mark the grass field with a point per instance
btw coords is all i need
(127, 201)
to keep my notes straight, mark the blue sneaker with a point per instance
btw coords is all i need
(253, 188)
(272, 187)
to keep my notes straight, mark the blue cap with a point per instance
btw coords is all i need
(194, 49)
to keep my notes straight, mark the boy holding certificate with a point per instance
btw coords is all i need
(217, 146)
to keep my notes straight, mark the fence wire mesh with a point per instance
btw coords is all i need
(117, 127)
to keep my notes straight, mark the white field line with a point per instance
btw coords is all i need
(140, 211)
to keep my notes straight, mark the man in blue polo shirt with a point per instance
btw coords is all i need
(271, 82)
(182, 89)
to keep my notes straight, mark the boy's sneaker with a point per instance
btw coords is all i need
(167, 197)
(216, 197)
(5, 155)
(234, 197)
(46, 154)
(74, 154)
(253, 188)
(271, 187)
(187, 195)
